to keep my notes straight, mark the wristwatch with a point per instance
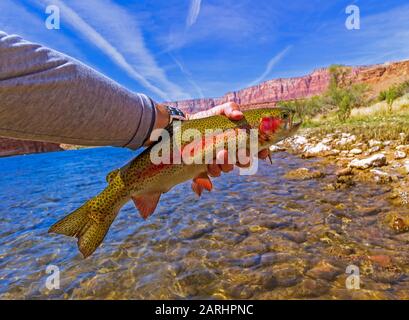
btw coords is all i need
(175, 114)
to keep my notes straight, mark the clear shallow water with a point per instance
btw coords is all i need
(261, 236)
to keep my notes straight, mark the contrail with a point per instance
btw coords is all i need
(270, 65)
(98, 40)
(194, 11)
(188, 76)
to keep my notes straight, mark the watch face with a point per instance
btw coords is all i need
(176, 113)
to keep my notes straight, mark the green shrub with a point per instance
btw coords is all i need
(382, 95)
(393, 92)
(391, 95)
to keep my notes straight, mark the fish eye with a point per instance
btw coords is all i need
(285, 116)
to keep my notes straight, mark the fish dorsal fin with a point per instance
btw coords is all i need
(111, 176)
(146, 203)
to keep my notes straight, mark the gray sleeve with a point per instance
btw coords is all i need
(48, 96)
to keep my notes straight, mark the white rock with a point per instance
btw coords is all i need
(345, 135)
(386, 143)
(282, 142)
(318, 148)
(379, 173)
(406, 165)
(402, 147)
(375, 160)
(374, 149)
(402, 136)
(395, 164)
(275, 148)
(399, 154)
(373, 143)
(355, 151)
(299, 141)
(334, 152)
(346, 140)
(326, 140)
(343, 153)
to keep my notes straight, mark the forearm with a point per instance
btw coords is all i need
(47, 96)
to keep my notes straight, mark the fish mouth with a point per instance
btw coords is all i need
(295, 126)
(292, 126)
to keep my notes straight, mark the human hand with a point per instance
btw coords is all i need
(221, 164)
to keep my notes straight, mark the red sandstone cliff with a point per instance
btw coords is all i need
(378, 77)
(10, 147)
(270, 91)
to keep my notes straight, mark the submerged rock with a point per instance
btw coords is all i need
(382, 260)
(194, 232)
(344, 172)
(310, 288)
(397, 222)
(286, 276)
(295, 236)
(324, 270)
(303, 174)
(377, 160)
(268, 258)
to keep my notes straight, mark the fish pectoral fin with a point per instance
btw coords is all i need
(197, 188)
(146, 204)
(270, 156)
(201, 182)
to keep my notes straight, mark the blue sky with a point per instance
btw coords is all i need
(181, 49)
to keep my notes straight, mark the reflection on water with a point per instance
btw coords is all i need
(261, 236)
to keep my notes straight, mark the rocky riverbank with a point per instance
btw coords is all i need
(357, 161)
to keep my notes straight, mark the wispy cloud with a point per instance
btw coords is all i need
(231, 26)
(270, 65)
(193, 13)
(16, 19)
(383, 37)
(188, 76)
(116, 33)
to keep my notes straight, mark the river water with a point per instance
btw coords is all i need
(253, 237)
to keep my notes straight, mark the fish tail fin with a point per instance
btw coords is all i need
(89, 226)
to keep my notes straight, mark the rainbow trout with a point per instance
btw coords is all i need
(143, 180)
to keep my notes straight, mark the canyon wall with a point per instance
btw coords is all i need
(10, 147)
(378, 77)
(270, 92)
